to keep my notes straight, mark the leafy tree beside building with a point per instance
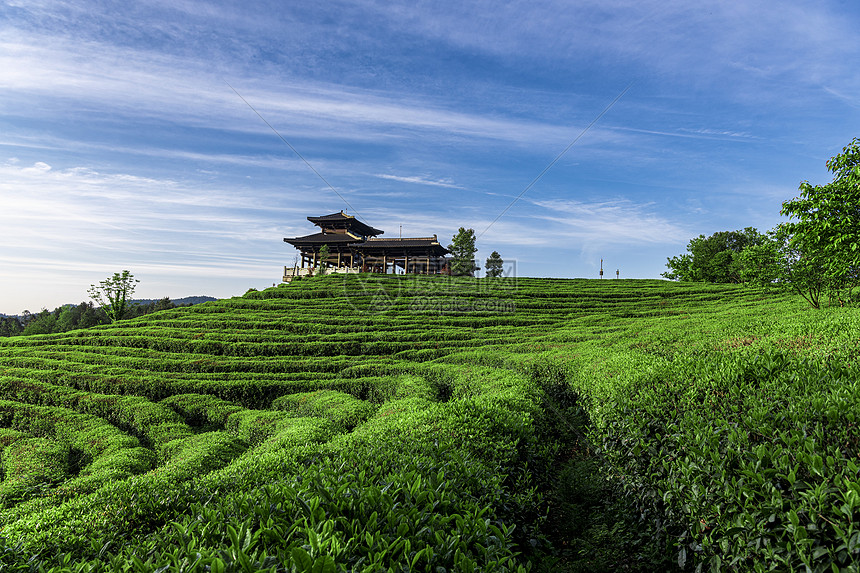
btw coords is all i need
(463, 250)
(323, 260)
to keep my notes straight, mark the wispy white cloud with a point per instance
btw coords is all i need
(76, 224)
(688, 133)
(720, 133)
(850, 98)
(146, 85)
(95, 211)
(420, 180)
(38, 167)
(558, 223)
(618, 221)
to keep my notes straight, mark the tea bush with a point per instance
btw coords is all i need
(581, 426)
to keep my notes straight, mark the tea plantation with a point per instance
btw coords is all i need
(403, 423)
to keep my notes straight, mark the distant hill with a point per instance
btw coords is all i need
(176, 301)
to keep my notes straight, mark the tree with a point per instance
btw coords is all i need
(323, 260)
(679, 267)
(42, 323)
(761, 264)
(69, 317)
(463, 250)
(9, 326)
(494, 264)
(799, 269)
(712, 259)
(114, 293)
(823, 230)
(83, 315)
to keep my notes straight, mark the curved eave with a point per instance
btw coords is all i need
(342, 221)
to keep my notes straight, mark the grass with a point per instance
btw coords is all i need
(425, 423)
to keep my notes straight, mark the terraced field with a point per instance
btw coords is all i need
(376, 423)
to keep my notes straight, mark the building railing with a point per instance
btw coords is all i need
(292, 272)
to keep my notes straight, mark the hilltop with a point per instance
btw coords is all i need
(367, 422)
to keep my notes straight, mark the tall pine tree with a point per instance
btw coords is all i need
(494, 264)
(463, 250)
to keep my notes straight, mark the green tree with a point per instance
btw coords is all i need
(800, 268)
(323, 260)
(10, 326)
(761, 264)
(463, 250)
(823, 231)
(113, 294)
(69, 318)
(712, 259)
(494, 264)
(92, 316)
(679, 267)
(42, 323)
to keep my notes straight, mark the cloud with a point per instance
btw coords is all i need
(101, 79)
(559, 223)
(38, 167)
(100, 212)
(689, 133)
(618, 221)
(848, 98)
(420, 180)
(719, 133)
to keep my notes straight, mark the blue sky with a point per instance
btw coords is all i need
(122, 146)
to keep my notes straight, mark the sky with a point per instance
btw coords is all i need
(150, 135)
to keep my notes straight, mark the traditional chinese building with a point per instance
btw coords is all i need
(355, 247)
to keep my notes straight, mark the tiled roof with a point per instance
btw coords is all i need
(429, 243)
(346, 221)
(404, 242)
(342, 239)
(421, 246)
(333, 217)
(323, 238)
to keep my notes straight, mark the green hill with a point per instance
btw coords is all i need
(401, 423)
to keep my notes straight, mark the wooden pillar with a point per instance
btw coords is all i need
(338, 258)
(384, 264)
(406, 263)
